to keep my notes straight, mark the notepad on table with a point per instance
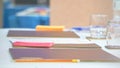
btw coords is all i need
(59, 54)
(113, 46)
(36, 34)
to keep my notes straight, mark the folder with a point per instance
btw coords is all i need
(52, 45)
(59, 54)
(49, 28)
(48, 34)
(32, 44)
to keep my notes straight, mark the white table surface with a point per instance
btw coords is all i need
(7, 62)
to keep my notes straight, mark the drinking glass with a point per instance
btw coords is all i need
(98, 26)
(113, 34)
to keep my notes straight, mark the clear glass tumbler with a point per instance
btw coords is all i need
(113, 33)
(98, 26)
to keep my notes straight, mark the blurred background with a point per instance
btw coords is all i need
(29, 13)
